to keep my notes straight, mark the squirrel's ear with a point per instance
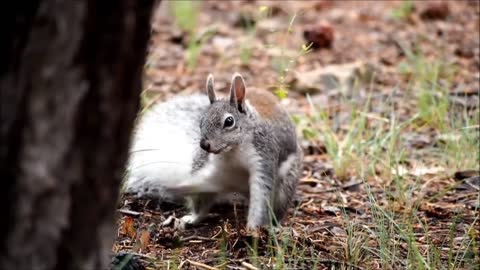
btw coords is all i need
(210, 89)
(237, 92)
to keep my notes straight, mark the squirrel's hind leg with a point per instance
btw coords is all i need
(286, 187)
(199, 205)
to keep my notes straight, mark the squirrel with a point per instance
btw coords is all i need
(202, 148)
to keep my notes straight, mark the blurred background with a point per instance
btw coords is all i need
(276, 44)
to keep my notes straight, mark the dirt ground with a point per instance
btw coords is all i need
(333, 217)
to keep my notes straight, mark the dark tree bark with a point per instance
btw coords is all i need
(70, 78)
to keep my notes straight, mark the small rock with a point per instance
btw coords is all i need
(435, 11)
(332, 77)
(320, 35)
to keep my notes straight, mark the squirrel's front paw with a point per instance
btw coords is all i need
(183, 222)
(189, 219)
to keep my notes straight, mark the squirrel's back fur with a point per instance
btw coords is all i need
(265, 103)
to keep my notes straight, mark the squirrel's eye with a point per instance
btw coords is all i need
(229, 122)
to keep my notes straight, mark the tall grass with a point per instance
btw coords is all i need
(377, 151)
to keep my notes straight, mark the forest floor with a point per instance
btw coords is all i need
(387, 109)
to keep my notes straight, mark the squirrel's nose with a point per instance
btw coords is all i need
(205, 145)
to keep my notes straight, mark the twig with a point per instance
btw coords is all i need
(217, 234)
(129, 212)
(249, 266)
(375, 117)
(222, 265)
(310, 180)
(201, 265)
(307, 203)
(196, 237)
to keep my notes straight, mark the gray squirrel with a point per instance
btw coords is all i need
(203, 148)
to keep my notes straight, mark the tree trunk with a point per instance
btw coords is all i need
(70, 78)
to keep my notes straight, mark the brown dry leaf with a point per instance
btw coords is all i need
(128, 227)
(143, 240)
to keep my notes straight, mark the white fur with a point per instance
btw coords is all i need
(223, 173)
(191, 218)
(251, 108)
(258, 201)
(164, 143)
(286, 166)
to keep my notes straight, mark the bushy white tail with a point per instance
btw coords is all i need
(163, 145)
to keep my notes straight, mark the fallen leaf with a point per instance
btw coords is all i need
(142, 241)
(128, 227)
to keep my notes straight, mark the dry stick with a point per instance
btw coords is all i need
(217, 234)
(222, 265)
(249, 266)
(201, 265)
(129, 212)
(196, 237)
(307, 203)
